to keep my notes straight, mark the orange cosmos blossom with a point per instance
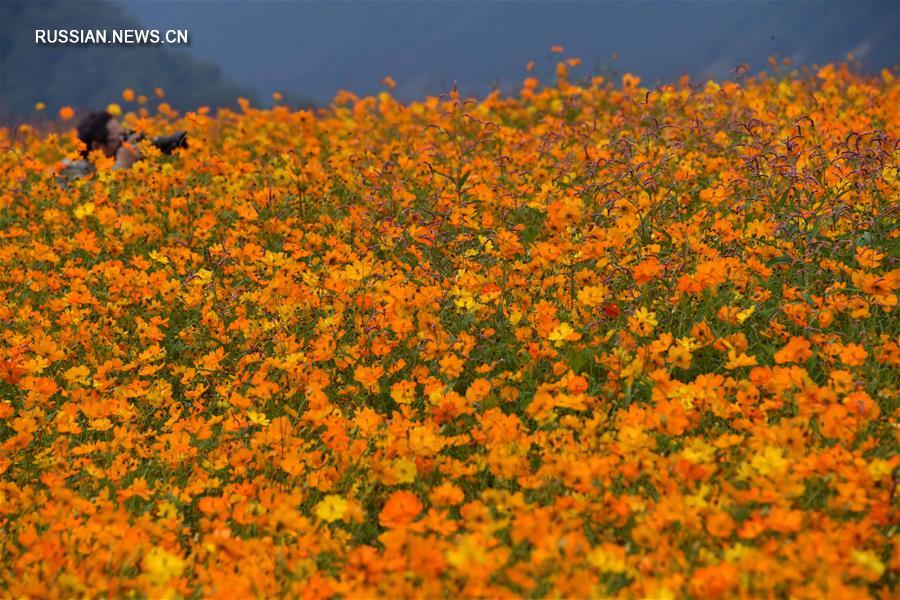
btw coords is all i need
(368, 376)
(401, 509)
(647, 270)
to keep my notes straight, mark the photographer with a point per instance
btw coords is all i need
(100, 131)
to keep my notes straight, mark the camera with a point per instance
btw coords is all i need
(166, 144)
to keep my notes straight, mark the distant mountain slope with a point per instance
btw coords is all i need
(94, 75)
(313, 49)
(317, 48)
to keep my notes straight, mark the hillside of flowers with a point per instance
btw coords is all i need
(591, 339)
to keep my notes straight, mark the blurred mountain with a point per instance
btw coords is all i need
(94, 75)
(312, 50)
(318, 48)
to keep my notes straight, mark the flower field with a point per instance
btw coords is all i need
(592, 339)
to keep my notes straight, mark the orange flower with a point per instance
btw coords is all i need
(368, 376)
(647, 270)
(451, 366)
(403, 392)
(478, 390)
(853, 355)
(796, 350)
(447, 494)
(400, 510)
(720, 524)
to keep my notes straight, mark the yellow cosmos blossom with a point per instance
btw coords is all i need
(592, 295)
(563, 333)
(770, 461)
(467, 552)
(77, 374)
(257, 418)
(745, 314)
(84, 210)
(680, 354)
(331, 508)
(403, 392)
(404, 470)
(162, 566)
(699, 451)
(464, 300)
(869, 561)
(736, 361)
(642, 322)
(157, 257)
(204, 276)
(607, 560)
(166, 510)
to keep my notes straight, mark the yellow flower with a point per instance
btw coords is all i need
(404, 470)
(563, 332)
(161, 566)
(880, 469)
(736, 361)
(403, 392)
(745, 314)
(257, 418)
(156, 256)
(77, 374)
(204, 276)
(699, 452)
(464, 299)
(869, 561)
(643, 321)
(592, 295)
(770, 461)
(680, 353)
(606, 561)
(101, 424)
(332, 508)
(84, 210)
(166, 510)
(466, 552)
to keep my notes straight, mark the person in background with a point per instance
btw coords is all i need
(100, 131)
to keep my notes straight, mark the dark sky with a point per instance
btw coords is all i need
(316, 48)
